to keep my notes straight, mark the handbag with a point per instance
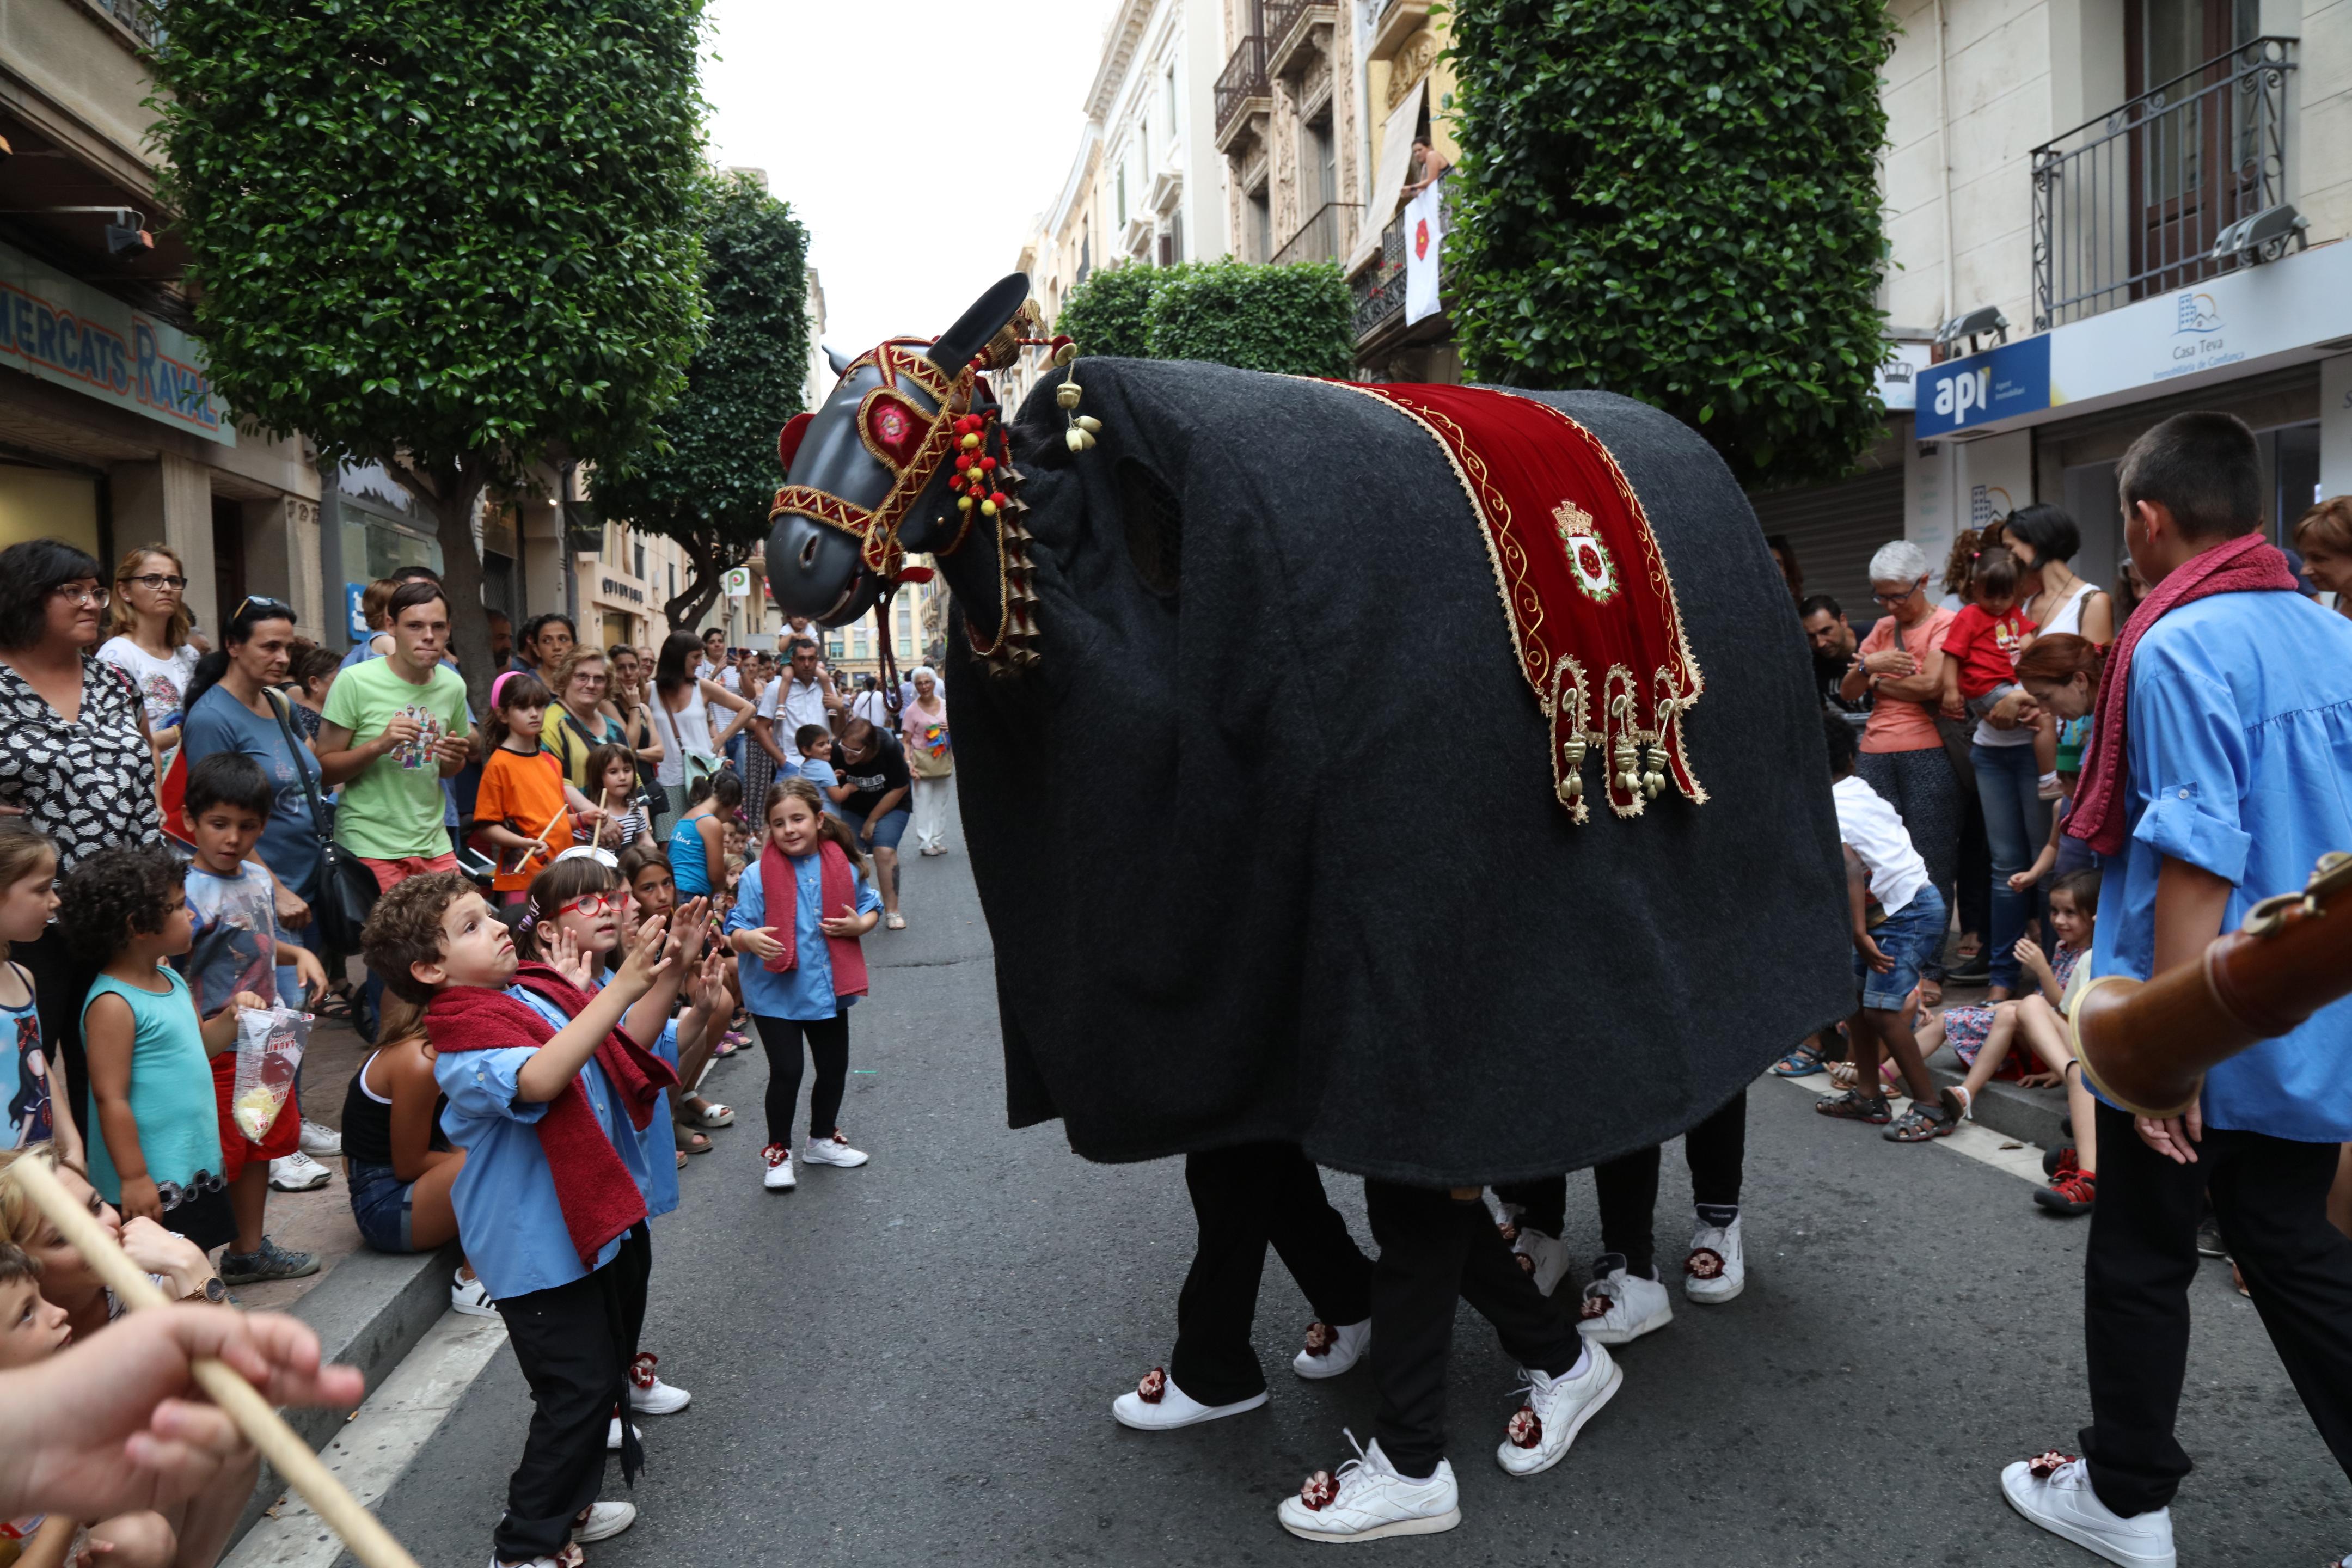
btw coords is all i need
(693, 767)
(347, 890)
(920, 760)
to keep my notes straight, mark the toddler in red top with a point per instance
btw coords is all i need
(1980, 654)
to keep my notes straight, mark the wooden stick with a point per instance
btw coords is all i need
(253, 1415)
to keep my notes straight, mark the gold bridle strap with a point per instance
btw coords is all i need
(877, 532)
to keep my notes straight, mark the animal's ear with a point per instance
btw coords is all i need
(836, 358)
(970, 333)
(788, 439)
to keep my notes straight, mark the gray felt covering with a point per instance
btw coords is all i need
(1275, 855)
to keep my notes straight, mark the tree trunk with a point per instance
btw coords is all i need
(709, 577)
(452, 504)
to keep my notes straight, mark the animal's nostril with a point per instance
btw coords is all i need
(808, 554)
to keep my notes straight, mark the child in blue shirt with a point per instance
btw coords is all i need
(548, 1209)
(803, 985)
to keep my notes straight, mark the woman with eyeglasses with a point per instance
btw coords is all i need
(148, 625)
(576, 722)
(75, 762)
(1900, 665)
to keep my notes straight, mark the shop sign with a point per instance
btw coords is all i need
(1898, 376)
(739, 582)
(2010, 380)
(68, 332)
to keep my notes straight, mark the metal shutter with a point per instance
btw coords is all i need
(1834, 530)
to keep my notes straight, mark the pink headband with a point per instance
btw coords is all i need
(500, 685)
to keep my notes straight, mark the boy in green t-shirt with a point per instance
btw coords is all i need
(393, 729)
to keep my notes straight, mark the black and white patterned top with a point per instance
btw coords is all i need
(86, 785)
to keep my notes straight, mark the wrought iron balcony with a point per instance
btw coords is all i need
(1286, 22)
(1379, 288)
(2130, 204)
(142, 19)
(1241, 84)
(1318, 238)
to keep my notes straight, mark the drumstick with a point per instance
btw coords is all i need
(239, 1400)
(522, 855)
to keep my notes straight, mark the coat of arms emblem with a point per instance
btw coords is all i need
(1596, 571)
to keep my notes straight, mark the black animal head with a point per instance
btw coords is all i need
(865, 477)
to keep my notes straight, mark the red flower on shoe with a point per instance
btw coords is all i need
(775, 1153)
(1154, 1386)
(1525, 1429)
(1320, 1490)
(1596, 1305)
(1706, 1263)
(641, 1369)
(2047, 1463)
(1320, 1337)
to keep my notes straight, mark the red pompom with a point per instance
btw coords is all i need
(963, 460)
(997, 495)
(987, 465)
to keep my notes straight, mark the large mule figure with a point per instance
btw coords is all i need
(1271, 829)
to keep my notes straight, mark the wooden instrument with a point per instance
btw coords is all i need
(2147, 1046)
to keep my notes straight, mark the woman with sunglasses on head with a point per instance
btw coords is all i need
(148, 626)
(75, 762)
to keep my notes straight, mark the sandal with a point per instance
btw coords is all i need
(1921, 1125)
(1802, 1062)
(1959, 1104)
(696, 1143)
(1851, 1107)
(681, 1159)
(709, 1113)
(894, 921)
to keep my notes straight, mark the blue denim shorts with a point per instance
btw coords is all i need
(888, 830)
(380, 1203)
(1912, 937)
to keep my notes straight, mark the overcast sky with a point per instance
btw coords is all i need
(917, 139)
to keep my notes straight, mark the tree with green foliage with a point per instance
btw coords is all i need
(707, 474)
(1678, 203)
(1290, 319)
(455, 238)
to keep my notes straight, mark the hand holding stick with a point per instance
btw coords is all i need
(237, 1399)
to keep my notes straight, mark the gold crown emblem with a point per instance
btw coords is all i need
(1572, 518)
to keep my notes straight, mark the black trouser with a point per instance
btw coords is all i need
(1626, 1188)
(2270, 1197)
(829, 1047)
(1243, 1198)
(1437, 1249)
(60, 986)
(573, 1342)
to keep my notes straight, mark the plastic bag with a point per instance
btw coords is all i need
(270, 1043)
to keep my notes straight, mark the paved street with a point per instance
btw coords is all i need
(914, 1362)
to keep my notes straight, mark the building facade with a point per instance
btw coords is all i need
(1291, 128)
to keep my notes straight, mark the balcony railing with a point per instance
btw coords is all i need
(1378, 289)
(1286, 27)
(1318, 238)
(142, 19)
(2130, 204)
(1242, 80)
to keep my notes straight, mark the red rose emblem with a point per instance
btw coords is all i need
(1706, 1263)
(2047, 1463)
(1525, 1429)
(1320, 1337)
(1320, 1490)
(1154, 1386)
(1420, 240)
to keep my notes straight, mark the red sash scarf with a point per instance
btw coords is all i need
(599, 1198)
(780, 894)
(1590, 609)
(2248, 563)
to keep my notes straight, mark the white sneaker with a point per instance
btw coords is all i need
(1555, 1410)
(780, 1177)
(528, 1563)
(1620, 1308)
(319, 1141)
(834, 1150)
(1156, 1405)
(613, 1445)
(1545, 1257)
(1328, 1351)
(604, 1520)
(1368, 1500)
(1715, 1270)
(2053, 1491)
(469, 1295)
(649, 1394)
(298, 1173)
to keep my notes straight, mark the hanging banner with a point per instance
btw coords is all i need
(1424, 236)
(1389, 181)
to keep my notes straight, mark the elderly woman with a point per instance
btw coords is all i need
(1900, 665)
(931, 761)
(75, 761)
(576, 723)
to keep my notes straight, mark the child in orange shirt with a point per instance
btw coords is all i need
(522, 816)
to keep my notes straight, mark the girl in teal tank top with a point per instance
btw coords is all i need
(690, 864)
(171, 1097)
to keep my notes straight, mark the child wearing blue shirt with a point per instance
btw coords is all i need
(800, 972)
(549, 1211)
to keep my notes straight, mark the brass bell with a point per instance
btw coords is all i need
(1067, 395)
(1089, 424)
(1076, 439)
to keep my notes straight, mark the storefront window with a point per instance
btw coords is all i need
(49, 504)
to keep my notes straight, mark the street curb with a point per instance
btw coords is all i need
(2035, 1116)
(368, 1313)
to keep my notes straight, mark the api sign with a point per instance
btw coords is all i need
(2012, 379)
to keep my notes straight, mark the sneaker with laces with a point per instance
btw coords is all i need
(1545, 1259)
(321, 1142)
(1716, 1269)
(2053, 1491)
(2072, 1194)
(1367, 1500)
(649, 1394)
(834, 1150)
(469, 1295)
(266, 1262)
(1555, 1410)
(298, 1173)
(1328, 1351)
(1156, 1405)
(780, 1177)
(1619, 1307)
(604, 1520)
